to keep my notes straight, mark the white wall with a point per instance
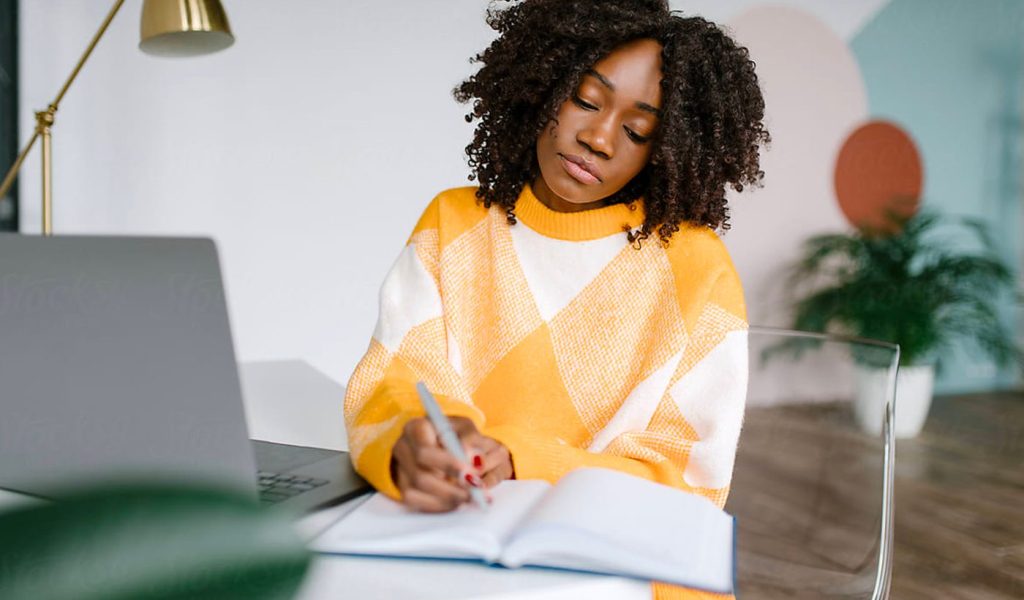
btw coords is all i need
(307, 150)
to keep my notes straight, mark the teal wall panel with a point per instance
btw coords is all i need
(951, 73)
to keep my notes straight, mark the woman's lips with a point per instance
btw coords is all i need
(577, 171)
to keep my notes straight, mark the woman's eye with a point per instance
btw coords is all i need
(583, 103)
(636, 137)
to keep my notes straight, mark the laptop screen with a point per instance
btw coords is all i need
(116, 360)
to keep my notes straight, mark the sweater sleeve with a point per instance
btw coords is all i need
(409, 344)
(691, 438)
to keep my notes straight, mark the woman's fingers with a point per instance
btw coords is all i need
(489, 458)
(462, 426)
(440, 460)
(450, 494)
(426, 502)
(497, 466)
(427, 450)
(430, 482)
(420, 432)
(429, 477)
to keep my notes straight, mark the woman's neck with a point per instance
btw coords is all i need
(553, 201)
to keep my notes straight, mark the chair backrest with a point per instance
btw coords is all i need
(812, 487)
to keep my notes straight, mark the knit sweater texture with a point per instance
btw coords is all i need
(564, 342)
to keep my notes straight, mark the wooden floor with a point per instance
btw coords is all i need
(807, 489)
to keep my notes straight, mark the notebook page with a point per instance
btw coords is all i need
(384, 527)
(609, 522)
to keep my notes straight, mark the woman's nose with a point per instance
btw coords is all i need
(597, 137)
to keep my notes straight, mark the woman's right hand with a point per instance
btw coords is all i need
(428, 476)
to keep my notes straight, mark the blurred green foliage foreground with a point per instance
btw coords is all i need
(149, 542)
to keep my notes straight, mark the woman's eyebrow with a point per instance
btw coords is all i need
(604, 80)
(600, 78)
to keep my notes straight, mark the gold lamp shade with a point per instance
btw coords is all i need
(184, 27)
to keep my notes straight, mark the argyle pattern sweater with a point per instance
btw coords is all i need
(563, 341)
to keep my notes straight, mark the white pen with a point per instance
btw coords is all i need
(449, 440)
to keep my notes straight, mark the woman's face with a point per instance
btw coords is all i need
(602, 137)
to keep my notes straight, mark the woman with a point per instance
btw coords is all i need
(576, 308)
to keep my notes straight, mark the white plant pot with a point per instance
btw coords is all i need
(913, 399)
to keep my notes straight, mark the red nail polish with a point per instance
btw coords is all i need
(473, 480)
(478, 461)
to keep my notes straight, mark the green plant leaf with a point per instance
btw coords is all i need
(138, 541)
(905, 284)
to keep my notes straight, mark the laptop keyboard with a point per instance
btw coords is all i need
(275, 487)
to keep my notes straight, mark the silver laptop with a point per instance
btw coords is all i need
(116, 361)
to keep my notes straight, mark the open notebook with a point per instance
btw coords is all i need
(595, 520)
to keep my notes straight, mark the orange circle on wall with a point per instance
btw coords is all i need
(878, 170)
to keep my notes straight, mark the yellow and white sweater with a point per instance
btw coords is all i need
(563, 342)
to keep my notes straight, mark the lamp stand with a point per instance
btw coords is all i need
(44, 125)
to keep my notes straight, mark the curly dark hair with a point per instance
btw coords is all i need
(712, 109)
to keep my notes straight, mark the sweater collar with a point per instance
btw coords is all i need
(577, 226)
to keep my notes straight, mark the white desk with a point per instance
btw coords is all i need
(291, 402)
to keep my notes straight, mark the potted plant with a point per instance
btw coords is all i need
(911, 285)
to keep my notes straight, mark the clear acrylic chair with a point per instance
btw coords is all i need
(812, 488)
